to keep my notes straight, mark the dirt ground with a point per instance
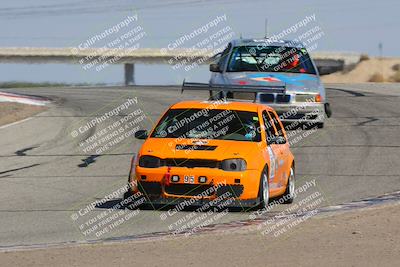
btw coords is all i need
(12, 112)
(364, 71)
(368, 237)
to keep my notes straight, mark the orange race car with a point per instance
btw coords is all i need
(209, 151)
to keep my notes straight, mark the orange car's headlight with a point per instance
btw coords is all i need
(149, 162)
(233, 165)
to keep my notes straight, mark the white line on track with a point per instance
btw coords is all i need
(14, 123)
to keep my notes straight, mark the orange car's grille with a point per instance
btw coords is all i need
(192, 163)
(150, 188)
(228, 191)
(187, 189)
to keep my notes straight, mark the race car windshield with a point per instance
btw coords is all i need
(270, 59)
(209, 124)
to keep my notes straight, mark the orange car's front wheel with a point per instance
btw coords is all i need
(264, 190)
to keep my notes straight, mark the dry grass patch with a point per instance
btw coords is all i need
(396, 67)
(12, 112)
(377, 78)
(395, 77)
(364, 57)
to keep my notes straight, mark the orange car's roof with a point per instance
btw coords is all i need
(242, 106)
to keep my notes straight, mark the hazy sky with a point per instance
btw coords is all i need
(356, 25)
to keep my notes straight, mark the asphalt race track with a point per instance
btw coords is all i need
(45, 177)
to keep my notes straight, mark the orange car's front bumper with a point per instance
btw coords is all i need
(157, 183)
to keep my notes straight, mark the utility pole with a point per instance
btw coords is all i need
(266, 28)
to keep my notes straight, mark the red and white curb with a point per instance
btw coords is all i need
(23, 99)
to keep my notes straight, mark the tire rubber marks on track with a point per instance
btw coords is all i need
(87, 161)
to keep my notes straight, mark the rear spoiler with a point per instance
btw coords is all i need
(278, 89)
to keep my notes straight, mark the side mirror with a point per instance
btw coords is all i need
(323, 70)
(141, 134)
(214, 68)
(280, 140)
(215, 58)
(277, 140)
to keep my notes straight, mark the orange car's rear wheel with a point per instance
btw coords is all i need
(289, 194)
(264, 190)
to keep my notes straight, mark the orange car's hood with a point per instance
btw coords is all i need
(225, 149)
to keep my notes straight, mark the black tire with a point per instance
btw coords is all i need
(289, 194)
(328, 110)
(263, 193)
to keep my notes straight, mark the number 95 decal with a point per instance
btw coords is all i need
(188, 179)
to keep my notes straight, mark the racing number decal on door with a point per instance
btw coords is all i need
(269, 128)
(273, 163)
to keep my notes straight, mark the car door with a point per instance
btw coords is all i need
(273, 151)
(281, 149)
